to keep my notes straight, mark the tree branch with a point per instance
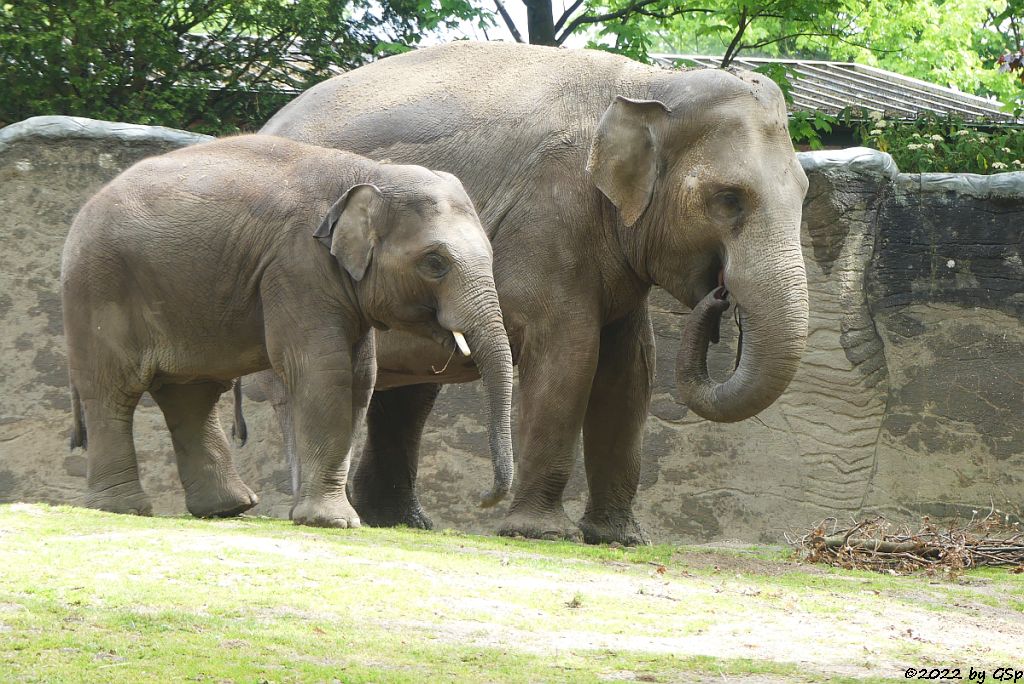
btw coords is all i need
(508, 21)
(730, 52)
(624, 14)
(568, 13)
(779, 39)
(594, 19)
(674, 13)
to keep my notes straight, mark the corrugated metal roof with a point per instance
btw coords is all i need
(832, 86)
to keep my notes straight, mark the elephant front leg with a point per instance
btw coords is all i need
(613, 430)
(555, 373)
(384, 484)
(213, 488)
(322, 409)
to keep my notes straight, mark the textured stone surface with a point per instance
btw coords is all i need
(946, 285)
(909, 400)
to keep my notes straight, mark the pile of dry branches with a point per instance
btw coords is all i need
(879, 545)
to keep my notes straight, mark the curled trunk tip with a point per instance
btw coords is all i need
(498, 491)
(769, 359)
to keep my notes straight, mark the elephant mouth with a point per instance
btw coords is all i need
(460, 345)
(721, 296)
(719, 292)
(706, 277)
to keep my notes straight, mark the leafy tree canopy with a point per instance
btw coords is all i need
(205, 65)
(733, 27)
(216, 65)
(951, 42)
(954, 43)
(637, 27)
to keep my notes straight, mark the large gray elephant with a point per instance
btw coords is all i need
(207, 263)
(595, 178)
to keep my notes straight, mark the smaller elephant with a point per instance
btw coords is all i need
(254, 252)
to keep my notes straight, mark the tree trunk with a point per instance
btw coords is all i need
(540, 22)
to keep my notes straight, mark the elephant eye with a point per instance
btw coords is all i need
(727, 205)
(434, 265)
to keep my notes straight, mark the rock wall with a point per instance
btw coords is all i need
(909, 400)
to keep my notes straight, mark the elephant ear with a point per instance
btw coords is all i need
(349, 228)
(624, 155)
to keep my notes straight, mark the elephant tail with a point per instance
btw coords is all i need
(239, 430)
(78, 436)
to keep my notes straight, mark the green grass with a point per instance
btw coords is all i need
(93, 597)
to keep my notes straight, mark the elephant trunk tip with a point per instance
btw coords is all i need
(767, 359)
(498, 491)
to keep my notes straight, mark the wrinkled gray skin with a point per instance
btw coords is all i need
(202, 265)
(595, 178)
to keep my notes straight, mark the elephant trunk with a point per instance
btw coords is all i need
(479, 321)
(773, 320)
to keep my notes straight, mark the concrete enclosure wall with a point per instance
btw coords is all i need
(909, 401)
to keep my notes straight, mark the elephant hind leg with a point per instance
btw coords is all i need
(213, 488)
(113, 469)
(384, 484)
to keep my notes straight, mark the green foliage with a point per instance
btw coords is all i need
(945, 144)
(1005, 33)
(207, 66)
(773, 27)
(781, 75)
(949, 43)
(631, 39)
(806, 127)
(625, 27)
(929, 143)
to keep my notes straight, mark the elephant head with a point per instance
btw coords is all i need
(709, 193)
(420, 262)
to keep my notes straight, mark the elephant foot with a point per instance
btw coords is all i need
(412, 516)
(553, 526)
(614, 527)
(125, 498)
(325, 513)
(220, 502)
(385, 511)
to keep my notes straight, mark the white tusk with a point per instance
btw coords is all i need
(460, 340)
